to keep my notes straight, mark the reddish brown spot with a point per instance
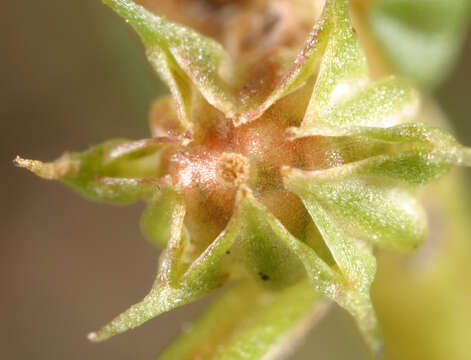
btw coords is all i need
(262, 79)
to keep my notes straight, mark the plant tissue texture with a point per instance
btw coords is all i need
(275, 169)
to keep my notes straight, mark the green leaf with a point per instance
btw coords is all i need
(422, 38)
(183, 58)
(249, 322)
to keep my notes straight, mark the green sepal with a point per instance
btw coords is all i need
(271, 254)
(157, 219)
(178, 84)
(183, 59)
(254, 242)
(164, 295)
(353, 257)
(117, 171)
(418, 153)
(257, 228)
(332, 22)
(136, 159)
(180, 280)
(363, 206)
(385, 103)
(343, 68)
(422, 38)
(344, 96)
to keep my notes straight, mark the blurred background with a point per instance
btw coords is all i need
(72, 75)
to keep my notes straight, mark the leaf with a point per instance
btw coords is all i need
(183, 59)
(422, 38)
(249, 322)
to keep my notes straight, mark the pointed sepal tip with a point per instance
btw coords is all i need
(58, 169)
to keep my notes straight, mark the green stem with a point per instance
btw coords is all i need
(249, 323)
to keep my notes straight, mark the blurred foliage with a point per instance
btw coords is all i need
(423, 38)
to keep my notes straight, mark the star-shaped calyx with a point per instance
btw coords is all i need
(277, 167)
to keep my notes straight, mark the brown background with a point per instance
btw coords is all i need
(72, 74)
